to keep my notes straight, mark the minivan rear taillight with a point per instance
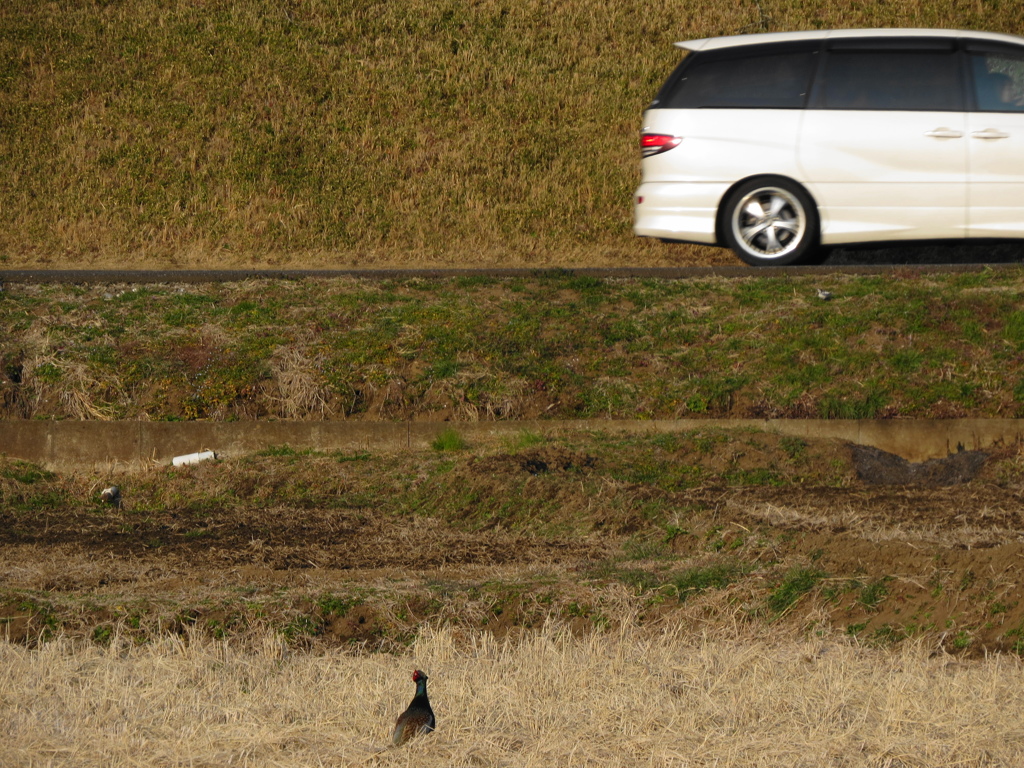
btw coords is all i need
(656, 143)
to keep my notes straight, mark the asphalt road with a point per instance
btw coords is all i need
(136, 276)
(866, 261)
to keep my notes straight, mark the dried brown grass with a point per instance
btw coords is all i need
(256, 133)
(75, 391)
(297, 376)
(547, 699)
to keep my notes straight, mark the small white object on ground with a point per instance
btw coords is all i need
(193, 458)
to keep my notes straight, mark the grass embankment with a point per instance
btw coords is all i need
(549, 346)
(551, 699)
(345, 133)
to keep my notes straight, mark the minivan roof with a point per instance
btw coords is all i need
(711, 43)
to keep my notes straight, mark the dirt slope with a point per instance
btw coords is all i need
(370, 549)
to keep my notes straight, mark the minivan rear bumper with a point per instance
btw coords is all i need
(678, 210)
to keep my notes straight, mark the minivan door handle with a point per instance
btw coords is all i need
(990, 133)
(945, 133)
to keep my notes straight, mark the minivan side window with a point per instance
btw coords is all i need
(892, 80)
(770, 80)
(998, 81)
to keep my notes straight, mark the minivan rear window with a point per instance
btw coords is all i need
(769, 80)
(892, 80)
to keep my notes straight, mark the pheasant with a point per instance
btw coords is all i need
(418, 716)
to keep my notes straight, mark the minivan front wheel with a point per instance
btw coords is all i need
(770, 221)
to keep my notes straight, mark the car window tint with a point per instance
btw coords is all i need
(766, 81)
(998, 82)
(892, 80)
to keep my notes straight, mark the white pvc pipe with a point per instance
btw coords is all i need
(193, 458)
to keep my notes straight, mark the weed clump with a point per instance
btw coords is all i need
(448, 440)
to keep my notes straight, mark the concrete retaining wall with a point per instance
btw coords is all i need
(84, 444)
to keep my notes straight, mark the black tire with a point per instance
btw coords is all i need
(770, 221)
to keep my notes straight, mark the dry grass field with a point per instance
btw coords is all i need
(616, 699)
(351, 133)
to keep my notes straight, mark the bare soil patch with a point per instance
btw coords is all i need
(876, 467)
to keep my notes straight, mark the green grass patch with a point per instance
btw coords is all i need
(693, 581)
(523, 440)
(333, 605)
(449, 440)
(872, 595)
(24, 472)
(795, 584)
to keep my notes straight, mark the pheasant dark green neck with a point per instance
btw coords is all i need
(421, 688)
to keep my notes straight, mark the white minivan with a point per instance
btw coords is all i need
(781, 145)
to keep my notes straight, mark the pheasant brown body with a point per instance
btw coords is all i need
(418, 716)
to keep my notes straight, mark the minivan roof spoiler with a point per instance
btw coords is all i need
(710, 43)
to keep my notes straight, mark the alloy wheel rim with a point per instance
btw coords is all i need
(769, 222)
